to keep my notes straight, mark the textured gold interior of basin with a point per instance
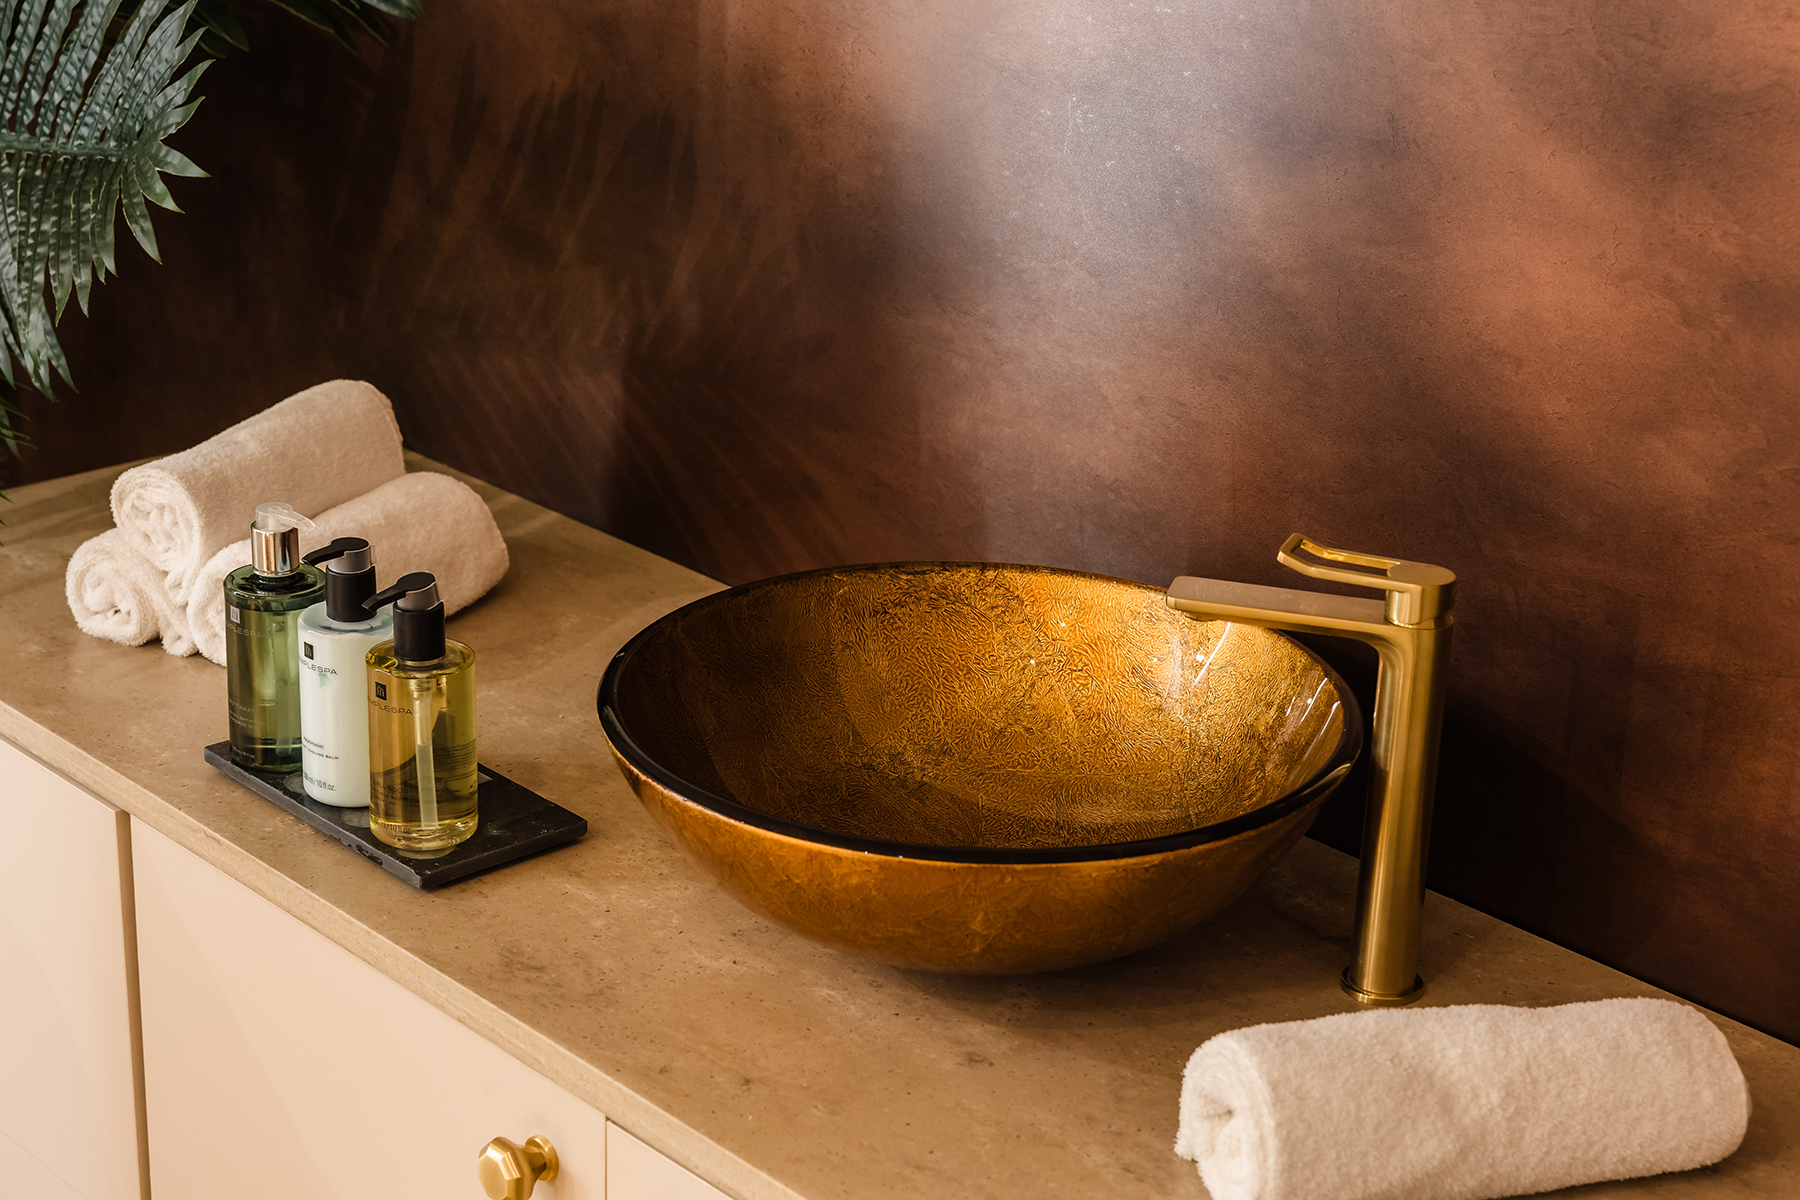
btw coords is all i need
(977, 705)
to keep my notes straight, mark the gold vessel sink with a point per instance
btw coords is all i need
(975, 767)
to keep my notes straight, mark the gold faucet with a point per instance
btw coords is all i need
(1411, 634)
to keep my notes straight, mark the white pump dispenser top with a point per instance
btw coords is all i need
(274, 517)
(275, 539)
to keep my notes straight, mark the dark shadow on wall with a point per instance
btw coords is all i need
(564, 287)
(617, 333)
(709, 380)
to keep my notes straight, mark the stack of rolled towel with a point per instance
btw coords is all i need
(1470, 1102)
(333, 452)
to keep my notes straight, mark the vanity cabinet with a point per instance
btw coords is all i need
(279, 1065)
(69, 1113)
(272, 1062)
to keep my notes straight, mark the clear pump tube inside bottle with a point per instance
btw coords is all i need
(424, 766)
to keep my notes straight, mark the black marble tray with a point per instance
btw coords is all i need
(515, 822)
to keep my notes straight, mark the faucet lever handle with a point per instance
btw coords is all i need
(1416, 592)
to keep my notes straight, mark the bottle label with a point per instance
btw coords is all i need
(240, 695)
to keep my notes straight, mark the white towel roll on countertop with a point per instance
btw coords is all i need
(314, 450)
(418, 522)
(116, 594)
(1469, 1102)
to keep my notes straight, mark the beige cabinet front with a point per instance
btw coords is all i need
(68, 1096)
(280, 1066)
(636, 1172)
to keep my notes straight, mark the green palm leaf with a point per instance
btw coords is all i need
(88, 93)
(82, 128)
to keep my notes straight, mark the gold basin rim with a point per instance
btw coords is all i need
(1343, 755)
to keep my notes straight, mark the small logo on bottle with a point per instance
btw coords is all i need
(307, 647)
(381, 691)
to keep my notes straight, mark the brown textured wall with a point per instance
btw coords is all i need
(1134, 287)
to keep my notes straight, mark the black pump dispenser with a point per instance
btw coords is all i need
(349, 578)
(418, 617)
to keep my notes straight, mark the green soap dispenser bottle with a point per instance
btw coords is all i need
(263, 603)
(421, 725)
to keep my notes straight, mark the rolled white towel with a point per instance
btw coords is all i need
(419, 522)
(314, 450)
(1462, 1103)
(116, 594)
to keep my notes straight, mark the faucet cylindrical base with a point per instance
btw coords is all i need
(1380, 999)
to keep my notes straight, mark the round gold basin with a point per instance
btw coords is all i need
(975, 767)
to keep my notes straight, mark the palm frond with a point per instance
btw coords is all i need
(222, 26)
(367, 17)
(82, 126)
(222, 32)
(399, 8)
(88, 97)
(318, 18)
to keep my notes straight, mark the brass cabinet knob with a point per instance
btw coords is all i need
(508, 1171)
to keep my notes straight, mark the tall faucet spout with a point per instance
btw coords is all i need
(1278, 608)
(1410, 631)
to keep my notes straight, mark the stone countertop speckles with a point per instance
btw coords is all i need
(771, 1067)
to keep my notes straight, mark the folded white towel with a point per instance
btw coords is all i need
(313, 450)
(116, 594)
(418, 522)
(1462, 1103)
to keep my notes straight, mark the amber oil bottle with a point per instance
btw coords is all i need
(422, 773)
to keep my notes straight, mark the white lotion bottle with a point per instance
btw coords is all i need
(336, 636)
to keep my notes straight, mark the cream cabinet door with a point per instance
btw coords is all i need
(280, 1066)
(69, 1114)
(636, 1172)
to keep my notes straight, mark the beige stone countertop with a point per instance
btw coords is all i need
(769, 1066)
